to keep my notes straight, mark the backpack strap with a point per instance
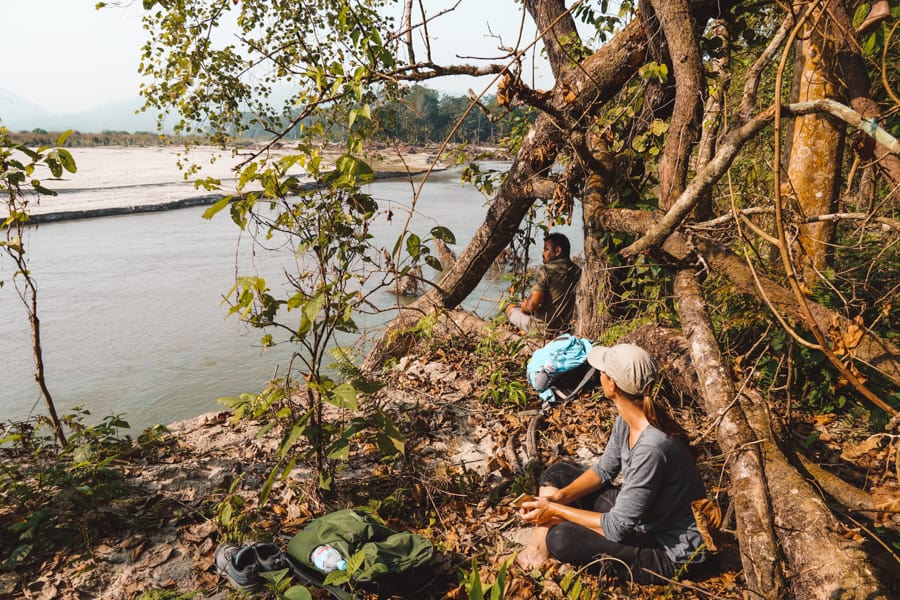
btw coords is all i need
(575, 391)
(561, 397)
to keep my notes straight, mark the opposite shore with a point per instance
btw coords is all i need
(118, 180)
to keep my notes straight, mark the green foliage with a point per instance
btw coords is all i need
(503, 392)
(233, 519)
(327, 226)
(281, 584)
(476, 588)
(19, 166)
(573, 587)
(59, 497)
(501, 363)
(324, 52)
(487, 181)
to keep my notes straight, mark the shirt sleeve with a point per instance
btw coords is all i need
(541, 282)
(639, 489)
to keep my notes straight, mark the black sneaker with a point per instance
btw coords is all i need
(239, 565)
(269, 557)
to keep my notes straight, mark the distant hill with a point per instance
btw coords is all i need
(17, 114)
(14, 109)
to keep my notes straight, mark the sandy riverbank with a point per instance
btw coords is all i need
(120, 180)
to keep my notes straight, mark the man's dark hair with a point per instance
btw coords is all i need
(558, 240)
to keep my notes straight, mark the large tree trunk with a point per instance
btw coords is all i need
(822, 562)
(859, 93)
(759, 548)
(817, 147)
(599, 285)
(672, 353)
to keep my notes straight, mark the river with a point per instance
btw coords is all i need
(132, 319)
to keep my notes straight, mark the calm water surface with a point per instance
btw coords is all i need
(131, 312)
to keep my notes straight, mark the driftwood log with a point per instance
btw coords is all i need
(759, 547)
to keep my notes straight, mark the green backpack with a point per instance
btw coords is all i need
(351, 531)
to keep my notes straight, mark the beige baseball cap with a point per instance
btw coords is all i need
(630, 366)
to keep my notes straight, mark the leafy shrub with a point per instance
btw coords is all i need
(54, 498)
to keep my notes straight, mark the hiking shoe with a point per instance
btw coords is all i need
(269, 557)
(239, 566)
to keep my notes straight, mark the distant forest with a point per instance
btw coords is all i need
(423, 117)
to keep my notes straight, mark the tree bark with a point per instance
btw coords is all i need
(859, 92)
(558, 29)
(713, 114)
(838, 568)
(816, 149)
(678, 27)
(672, 353)
(759, 548)
(598, 285)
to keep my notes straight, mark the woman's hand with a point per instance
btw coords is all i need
(541, 511)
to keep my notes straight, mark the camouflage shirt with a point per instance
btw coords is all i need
(557, 281)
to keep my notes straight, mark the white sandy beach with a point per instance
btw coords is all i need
(115, 177)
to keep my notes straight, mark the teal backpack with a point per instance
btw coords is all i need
(351, 531)
(559, 370)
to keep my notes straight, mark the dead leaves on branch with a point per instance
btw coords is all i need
(844, 343)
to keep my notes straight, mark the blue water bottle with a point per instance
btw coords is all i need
(327, 559)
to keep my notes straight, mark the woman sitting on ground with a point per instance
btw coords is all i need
(647, 523)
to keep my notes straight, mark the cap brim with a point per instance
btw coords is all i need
(597, 357)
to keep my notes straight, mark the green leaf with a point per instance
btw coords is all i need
(475, 590)
(267, 487)
(63, 137)
(293, 435)
(336, 578)
(65, 157)
(19, 554)
(434, 263)
(297, 592)
(414, 246)
(442, 233)
(314, 307)
(274, 576)
(344, 396)
(54, 164)
(356, 561)
(41, 189)
(35, 156)
(219, 205)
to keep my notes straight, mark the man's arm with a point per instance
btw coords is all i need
(529, 304)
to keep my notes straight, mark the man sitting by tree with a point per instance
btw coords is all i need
(551, 304)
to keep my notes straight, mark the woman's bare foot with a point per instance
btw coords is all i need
(532, 557)
(880, 10)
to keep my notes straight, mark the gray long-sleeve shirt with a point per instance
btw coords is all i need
(659, 481)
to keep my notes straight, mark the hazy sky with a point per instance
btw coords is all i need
(65, 56)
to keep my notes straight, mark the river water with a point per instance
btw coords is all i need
(132, 319)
